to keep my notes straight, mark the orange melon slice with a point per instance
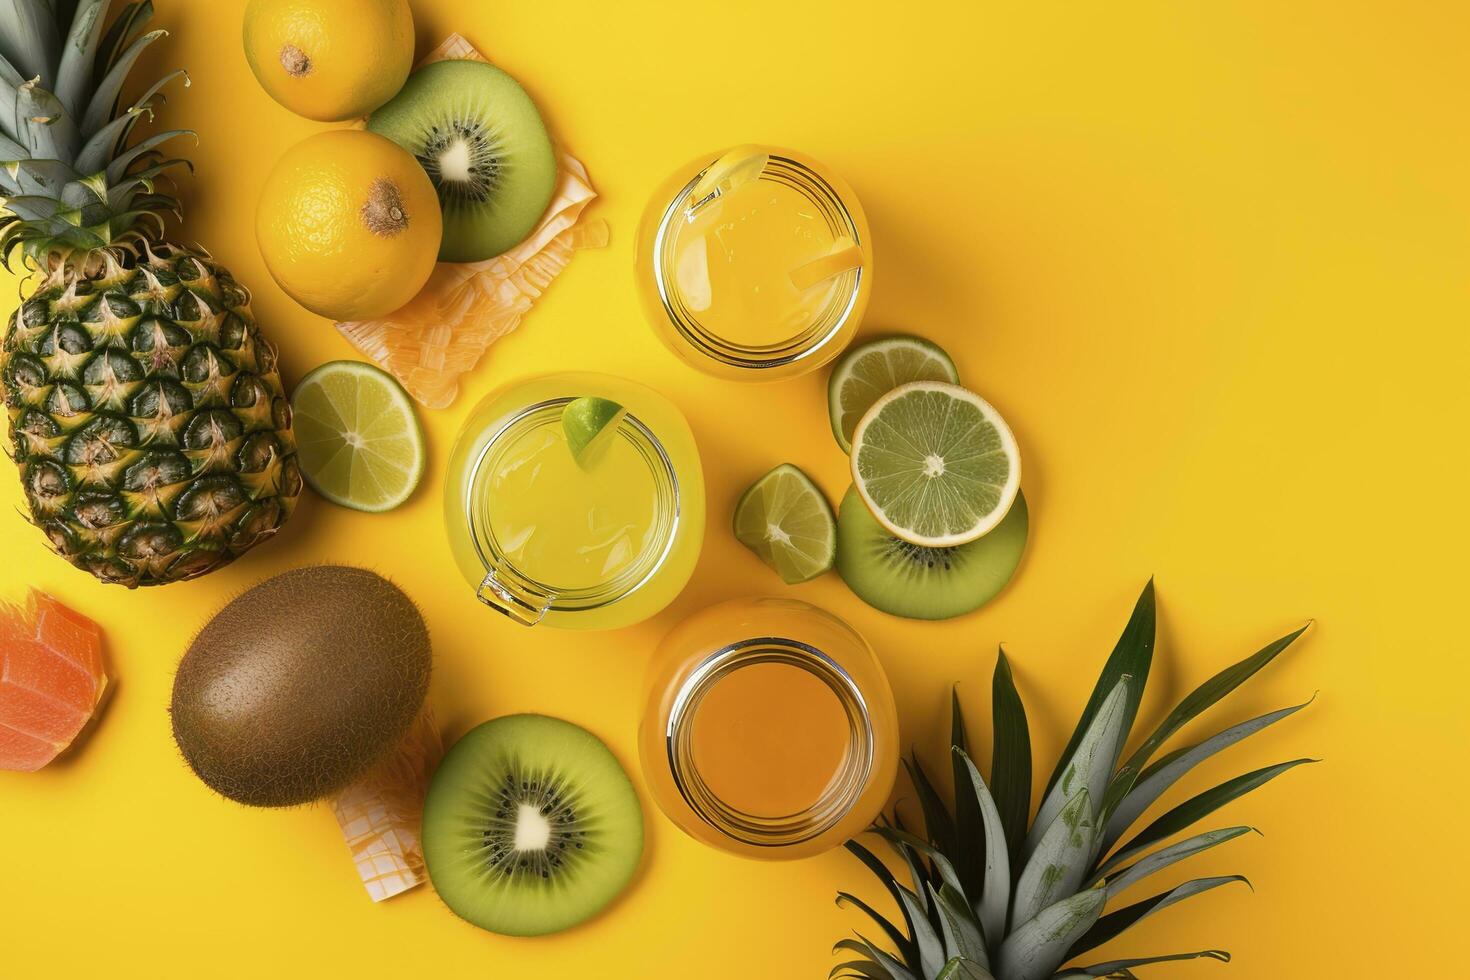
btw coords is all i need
(52, 679)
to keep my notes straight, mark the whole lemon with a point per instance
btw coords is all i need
(330, 60)
(349, 224)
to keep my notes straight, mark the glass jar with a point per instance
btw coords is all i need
(545, 539)
(755, 265)
(769, 730)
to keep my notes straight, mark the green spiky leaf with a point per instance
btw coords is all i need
(1132, 656)
(995, 888)
(962, 934)
(925, 934)
(1123, 968)
(1159, 860)
(961, 968)
(1113, 924)
(1035, 949)
(883, 958)
(1059, 863)
(938, 824)
(880, 871)
(1010, 761)
(1209, 694)
(1090, 768)
(969, 833)
(899, 940)
(1156, 780)
(74, 74)
(104, 97)
(1197, 808)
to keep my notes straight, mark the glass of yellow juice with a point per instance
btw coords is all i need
(755, 264)
(545, 538)
(770, 729)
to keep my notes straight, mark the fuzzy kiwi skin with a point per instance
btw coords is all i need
(908, 580)
(295, 688)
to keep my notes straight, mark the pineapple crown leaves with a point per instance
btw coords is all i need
(993, 896)
(69, 179)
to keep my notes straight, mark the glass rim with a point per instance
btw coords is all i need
(847, 785)
(795, 349)
(560, 599)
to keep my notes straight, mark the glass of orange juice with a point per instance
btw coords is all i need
(544, 538)
(755, 264)
(770, 729)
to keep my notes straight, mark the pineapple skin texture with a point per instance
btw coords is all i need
(147, 416)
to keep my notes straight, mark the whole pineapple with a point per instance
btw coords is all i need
(995, 896)
(146, 412)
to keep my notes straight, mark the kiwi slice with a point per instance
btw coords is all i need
(910, 580)
(485, 147)
(531, 826)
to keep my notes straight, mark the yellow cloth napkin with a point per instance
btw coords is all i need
(465, 307)
(381, 814)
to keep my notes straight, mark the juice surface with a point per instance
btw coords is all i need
(561, 524)
(770, 738)
(733, 259)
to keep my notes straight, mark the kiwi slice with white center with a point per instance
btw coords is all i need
(904, 579)
(485, 147)
(530, 826)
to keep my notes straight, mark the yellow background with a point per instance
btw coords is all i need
(1210, 260)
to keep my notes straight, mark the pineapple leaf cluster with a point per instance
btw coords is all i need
(71, 181)
(995, 896)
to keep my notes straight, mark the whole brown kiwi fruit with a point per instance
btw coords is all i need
(297, 687)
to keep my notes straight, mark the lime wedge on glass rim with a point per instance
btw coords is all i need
(357, 437)
(936, 464)
(787, 522)
(869, 371)
(589, 424)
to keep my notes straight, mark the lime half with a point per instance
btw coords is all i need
(935, 464)
(787, 522)
(869, 371)
(589, 424)
(357, 437)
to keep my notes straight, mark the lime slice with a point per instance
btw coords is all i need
(935, 464)
(357, 437)
(869, 371)
(787, 522)
(589, 424)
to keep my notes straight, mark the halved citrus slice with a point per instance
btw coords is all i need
(357, 437)
(871, 370)
(935, 463)
(787, 522)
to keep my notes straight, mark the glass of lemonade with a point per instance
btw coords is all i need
(545, 539)
(756, 264)
(770, 729)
